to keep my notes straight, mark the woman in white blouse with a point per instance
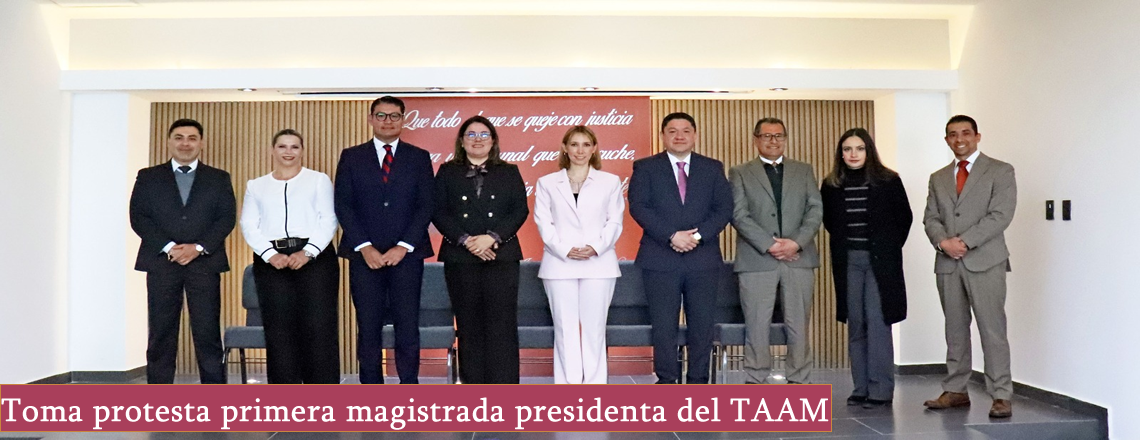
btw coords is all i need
(288, 220)
(579, 212)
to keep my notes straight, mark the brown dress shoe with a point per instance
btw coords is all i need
(1002, 408)
(949, 400)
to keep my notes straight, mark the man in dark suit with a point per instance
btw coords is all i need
(183, 210)
(682, 202)
(970, 204)
(384, 201)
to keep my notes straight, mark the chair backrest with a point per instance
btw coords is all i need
(534, 307)
(249, 298)
(435, 304)
(629, 306)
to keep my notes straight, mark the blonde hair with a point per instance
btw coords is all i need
(564, 159)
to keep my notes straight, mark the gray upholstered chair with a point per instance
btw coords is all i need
(628, 323)
(437, 327)
(250, 335)
(536, 326)
(729, 329)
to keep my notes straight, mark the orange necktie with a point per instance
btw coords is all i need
(962, 175)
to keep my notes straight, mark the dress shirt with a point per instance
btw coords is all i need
(779, 160)
(688, 164)
(969, 166)
(298, 207)
(380, 153)
(174, 164)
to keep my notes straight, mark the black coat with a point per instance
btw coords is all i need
(158, 217)
(501, 208)
(889, 225)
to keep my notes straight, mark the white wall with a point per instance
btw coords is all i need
(1054, 88)
(33, 199)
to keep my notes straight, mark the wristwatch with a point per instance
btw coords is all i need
(201, 250)
(310, 255)
(697, 236)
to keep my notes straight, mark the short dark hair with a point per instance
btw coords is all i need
(288, 132)
(678, 115)
(186, 123)
(962, 118)
(461, 154)
(762, 121)
(387, 99)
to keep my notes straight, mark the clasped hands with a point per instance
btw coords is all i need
(183, 254)
(684, 241)
(785, 249)
(954, 247)
(375, 260)
(293, 261)
(482, 246)
(582, 253)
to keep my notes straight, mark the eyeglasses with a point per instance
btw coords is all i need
(480, 136)
(778, 137)
(394, 117)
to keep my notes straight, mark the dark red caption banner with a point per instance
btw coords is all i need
(447, 408)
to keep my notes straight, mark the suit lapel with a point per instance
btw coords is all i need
(667, 165)
(756, 168)
(196, 186)
(566, 192)
(981, 165)
(944, 178)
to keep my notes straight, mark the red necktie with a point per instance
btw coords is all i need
(386, 167)
(682, 180)
(963, 173)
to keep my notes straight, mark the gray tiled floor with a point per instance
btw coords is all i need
(906, 419)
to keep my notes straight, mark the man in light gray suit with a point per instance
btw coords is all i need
(777, 214)
(970, 203)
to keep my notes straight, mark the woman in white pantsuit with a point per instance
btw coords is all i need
(579, 212)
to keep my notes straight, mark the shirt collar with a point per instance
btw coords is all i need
(380, 145)
(687, 159)
(174, 165)
(972, 159)
(779, 160)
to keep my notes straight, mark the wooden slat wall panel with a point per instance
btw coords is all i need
(238, 135)
(725, 128)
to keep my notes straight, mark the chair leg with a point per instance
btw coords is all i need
(684, 364)
(241, 355)
(723, 361)
(452, 374)
(713, 364)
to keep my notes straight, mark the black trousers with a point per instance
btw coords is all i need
(665, 292)
(299, 312)
(382, 296)
(164, 293)
(485, 299)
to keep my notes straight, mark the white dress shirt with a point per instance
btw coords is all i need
(298, 207)
(174, 164)
(779, 160)
(380, 153)
(688, 165)
(969, 166)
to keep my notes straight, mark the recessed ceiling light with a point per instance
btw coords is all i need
(247, 89)
(434, 89)
(778, 89)
(589, 89)
(473, 90)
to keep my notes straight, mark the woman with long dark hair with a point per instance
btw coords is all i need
(866, 211)
(288, 219)
(480, 205)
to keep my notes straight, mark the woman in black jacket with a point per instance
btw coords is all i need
(480, 205)
(866, 211)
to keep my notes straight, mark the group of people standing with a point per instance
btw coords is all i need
(385, 195)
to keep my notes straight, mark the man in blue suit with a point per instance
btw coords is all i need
(384, 201)
(682, 202)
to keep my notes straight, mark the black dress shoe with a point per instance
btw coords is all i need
(856, 400)
(874, 403)
(666, 382)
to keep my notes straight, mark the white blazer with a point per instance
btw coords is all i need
(595, 220)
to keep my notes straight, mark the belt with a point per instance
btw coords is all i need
(289, 243)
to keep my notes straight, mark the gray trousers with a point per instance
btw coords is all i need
(869, 341)
(758, 299)
(983, 292)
